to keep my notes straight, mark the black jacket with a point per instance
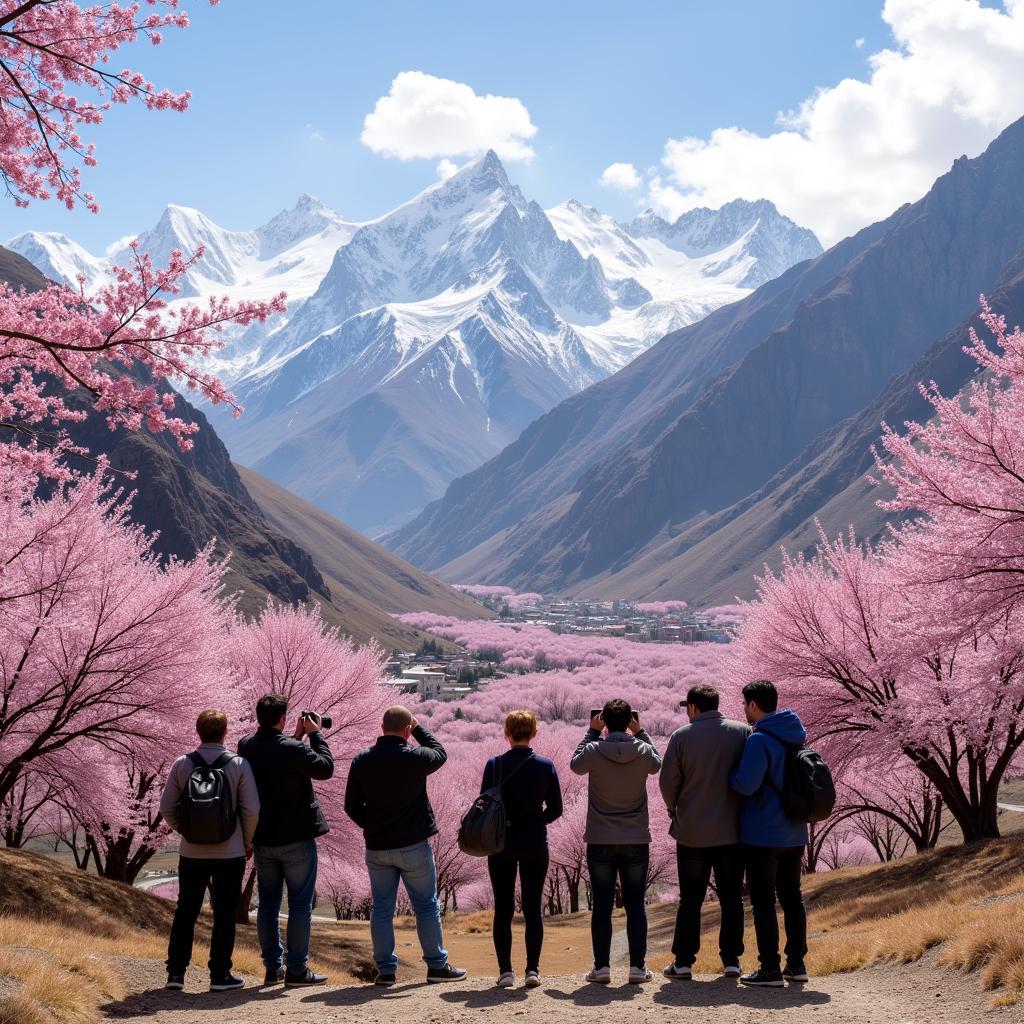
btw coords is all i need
(386, 795)
(532, 796)
(284, 768)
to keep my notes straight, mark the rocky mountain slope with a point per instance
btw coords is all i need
(419, 344)
(712, 413)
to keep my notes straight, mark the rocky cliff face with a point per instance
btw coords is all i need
(712, 413)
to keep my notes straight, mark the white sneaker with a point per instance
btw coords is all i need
(638, 975)
(506, 979)
(675, 971)
(731, 971)
(599, 975)
(532, 979)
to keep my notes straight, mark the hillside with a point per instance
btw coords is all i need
(711, 414)
(364, 578)
(914, 940)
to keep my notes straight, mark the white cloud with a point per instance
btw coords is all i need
(853, 152)
(427, 117)
(623, 177)
(446, 168)
(858, 42)
(314, 134)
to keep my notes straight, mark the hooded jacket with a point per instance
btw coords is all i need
(618, 766)
(759, 778)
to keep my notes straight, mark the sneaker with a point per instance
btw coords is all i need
(532, 979)
(638, 975)
(303, 980)
(599, 975)
(226, 983)
(763, 979)
(175, 981)
(274, 976)
(731, 971)
(506, 979)
(384, 978)
(436, 975)
(796, 973)
(675, 970)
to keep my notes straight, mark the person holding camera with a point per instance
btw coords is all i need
(618, 834)
(386, 796)
(285, 842)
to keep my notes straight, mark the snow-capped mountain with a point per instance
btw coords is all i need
(418, 344)
(59, 257)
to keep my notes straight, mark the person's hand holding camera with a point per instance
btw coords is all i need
(597, 722)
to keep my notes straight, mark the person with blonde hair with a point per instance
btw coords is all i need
(533, 799)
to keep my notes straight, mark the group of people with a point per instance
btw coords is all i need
(721, 780)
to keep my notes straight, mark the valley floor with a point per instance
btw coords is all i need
(911, 994)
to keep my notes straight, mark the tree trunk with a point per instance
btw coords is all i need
(245, 900)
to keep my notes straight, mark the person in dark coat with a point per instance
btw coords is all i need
(386, 796)
(533, 799)
(291, 821)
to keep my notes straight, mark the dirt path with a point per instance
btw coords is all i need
(914, 994)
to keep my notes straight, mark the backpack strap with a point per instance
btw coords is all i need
(221, 761)
(518, 766)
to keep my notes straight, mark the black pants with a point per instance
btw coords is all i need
(695, 866)
(224, 877)
(770, 871)
(629, 864)
(532, 866)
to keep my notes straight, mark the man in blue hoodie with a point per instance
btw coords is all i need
(774, 843)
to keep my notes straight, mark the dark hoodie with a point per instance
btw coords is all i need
(763, 822)
(618, 767)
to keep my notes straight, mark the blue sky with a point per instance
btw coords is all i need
(279, 102)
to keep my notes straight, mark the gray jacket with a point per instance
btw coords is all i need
(618, 766)
(705, 811)
(247, 801)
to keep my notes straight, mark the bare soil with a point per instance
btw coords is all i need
(914, 994)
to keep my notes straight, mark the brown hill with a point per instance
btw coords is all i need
(366, 581)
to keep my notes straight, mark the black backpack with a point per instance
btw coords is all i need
(207, 813)
(808, 793)
(483, 827)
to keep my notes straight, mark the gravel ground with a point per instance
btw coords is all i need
(914, 994)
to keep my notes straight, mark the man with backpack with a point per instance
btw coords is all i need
(618, 834)
(386, 796)
(773, 840)
(210, 799)
(291, 821)
(705, 817)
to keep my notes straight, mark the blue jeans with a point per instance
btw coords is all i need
(293, 866)
(629, 863)
(414, 867)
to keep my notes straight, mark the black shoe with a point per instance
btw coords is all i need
(796, 973)
(307, 977)
(226, 983)
(274, 976)
(435, 975)
(175, 981)
(764, 979)
(384, 979)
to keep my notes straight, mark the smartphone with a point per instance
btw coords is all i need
(596, 712)
(636, 716)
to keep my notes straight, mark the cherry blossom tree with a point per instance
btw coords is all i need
(867, 659)
(964, 471)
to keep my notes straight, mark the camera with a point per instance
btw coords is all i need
(325, 720)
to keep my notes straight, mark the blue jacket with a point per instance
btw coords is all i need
(763, 822)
